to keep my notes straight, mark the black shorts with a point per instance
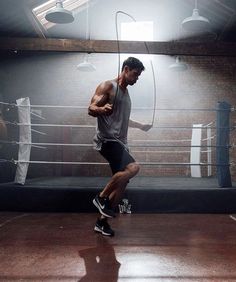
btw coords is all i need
(117, 155)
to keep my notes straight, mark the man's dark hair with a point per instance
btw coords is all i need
(133, 63)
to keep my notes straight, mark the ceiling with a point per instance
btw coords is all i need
(17, 20)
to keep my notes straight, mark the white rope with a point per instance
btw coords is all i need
(160, 152)
(135, 108)
(187, 127)
(130, 145)
(56, 144)
(36, 115)
(39, 147)
(55, 125)
(190, 127)
(8, 104)
(209, 138)
(180, 146)
(171, 141)
(208, 125)
(39, 132)
(101, 163)
(66, 163)
(93, 126)
(207, 151)
(164, 141)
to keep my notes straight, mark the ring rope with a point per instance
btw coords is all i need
(56, 144)
(134, 108)
(102, 163)
(208, 125)
(130, 145)
(209, 138)
(8, 104)
(165, 141)
(38, 116)
(3, 161)
(39, 132)
(94, 126)
(160, 152)
(167, 152)
(172, 141)
(48, 124)
(181, 146)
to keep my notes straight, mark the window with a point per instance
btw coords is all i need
(137, 31)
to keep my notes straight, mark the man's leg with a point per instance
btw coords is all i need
(117, 185)
(123, 167)
(116, 195)
(119, 181)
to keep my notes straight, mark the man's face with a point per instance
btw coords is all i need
(132, 75)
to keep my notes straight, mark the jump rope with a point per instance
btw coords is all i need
(118, 69)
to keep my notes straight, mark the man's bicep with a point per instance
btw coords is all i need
(100, 97)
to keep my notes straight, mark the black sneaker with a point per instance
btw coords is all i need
(103, 227)
(103, 205)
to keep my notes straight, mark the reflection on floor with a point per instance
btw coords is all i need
(146, 247)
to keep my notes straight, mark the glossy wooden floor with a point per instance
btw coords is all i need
(146, 247)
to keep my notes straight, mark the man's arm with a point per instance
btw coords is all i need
(142, 126)
(100, 102)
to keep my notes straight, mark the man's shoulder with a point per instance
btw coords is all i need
(107, 85)
(110, 83)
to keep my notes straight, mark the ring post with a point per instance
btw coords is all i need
(195, 156)
(24, 137)
(222, 143)
(209, 152)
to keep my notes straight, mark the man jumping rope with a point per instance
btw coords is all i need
(111, 105)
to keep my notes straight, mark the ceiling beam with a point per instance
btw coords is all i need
(111, 46)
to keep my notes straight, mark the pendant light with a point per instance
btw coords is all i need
(178, 65)
(196, 23)
(86, 66)
(59, 15)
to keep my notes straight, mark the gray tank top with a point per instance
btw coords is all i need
(115, 126)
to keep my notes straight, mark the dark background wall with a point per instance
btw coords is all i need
(52, 79)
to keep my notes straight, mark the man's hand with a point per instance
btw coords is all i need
(139, 125)
(146, 127)
(107, 109)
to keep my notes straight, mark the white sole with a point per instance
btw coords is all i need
(101, 231)
(100, 210)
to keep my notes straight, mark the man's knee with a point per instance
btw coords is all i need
(133, 168)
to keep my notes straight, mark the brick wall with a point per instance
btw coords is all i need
(51, 78)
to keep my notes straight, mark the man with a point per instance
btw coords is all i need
(111, 105)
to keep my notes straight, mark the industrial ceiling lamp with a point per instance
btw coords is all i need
(196, 23)
(59, 15)
(86, 66)
(178, 65)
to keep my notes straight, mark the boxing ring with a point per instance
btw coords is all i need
(194, 193)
